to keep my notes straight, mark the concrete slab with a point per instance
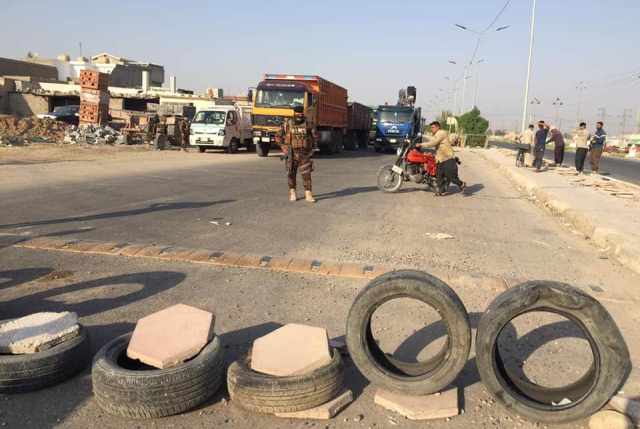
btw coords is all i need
(291, 350)
(37, 332)
(325, 411)
(171, 336)
(429, 407)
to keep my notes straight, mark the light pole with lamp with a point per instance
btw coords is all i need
(557, 103)
(525, 101)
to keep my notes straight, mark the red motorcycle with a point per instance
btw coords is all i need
(411, 165)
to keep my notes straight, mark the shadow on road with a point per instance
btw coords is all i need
(346, 192)
(349, 154)
(88, 297)
(13, 278)
(157, 207)
(473, 189)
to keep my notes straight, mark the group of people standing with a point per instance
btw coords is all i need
(585, 143)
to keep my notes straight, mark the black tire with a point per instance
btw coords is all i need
(202, 149)
(29, 372)
(251, 146)
(381, 369)
(377, 148)
(611, 363)
(150, 393)
(233, 146)
(387, 180)
(263, 393)
(263, 149)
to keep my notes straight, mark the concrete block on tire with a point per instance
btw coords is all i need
(171, 336)
(264, 393)
(610, 367)
(26, 373)
(427, 407)
(383, 370)
(291, 350)
(37, 332)
(125, 389)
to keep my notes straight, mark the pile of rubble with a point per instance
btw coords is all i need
(93, 135)
(16, 131)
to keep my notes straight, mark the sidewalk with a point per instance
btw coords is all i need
(605, 211)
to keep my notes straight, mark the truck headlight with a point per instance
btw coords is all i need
(378, 139)
(221, 132)
(257, 133)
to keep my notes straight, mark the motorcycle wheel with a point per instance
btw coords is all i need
(388, 180)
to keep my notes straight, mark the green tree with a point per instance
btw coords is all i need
(474, 126)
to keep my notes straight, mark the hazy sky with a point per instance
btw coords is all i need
(372, 48)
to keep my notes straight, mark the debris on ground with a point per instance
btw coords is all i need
(630, 407)
(93, 134)
(428, 407)
(37, 332)
(609, 420)
(325, 411)
(15, 131)
(439, 236)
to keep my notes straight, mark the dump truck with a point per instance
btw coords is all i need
(358, 124)
(324, 103)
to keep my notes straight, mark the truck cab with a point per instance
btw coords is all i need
(394, 125)
(225, 127)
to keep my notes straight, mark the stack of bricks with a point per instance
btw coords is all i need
(94, 97)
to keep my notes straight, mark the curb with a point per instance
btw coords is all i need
(235, 260)
(627, 252)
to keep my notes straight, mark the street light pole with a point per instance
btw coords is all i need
(475, 99)
(525, 101)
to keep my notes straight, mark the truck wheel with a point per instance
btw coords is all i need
(263, 149)
(251, 146)
(233, 146)
(377, 148)
(610, 366)
(128, 388)
(202, 149)
(385, 371)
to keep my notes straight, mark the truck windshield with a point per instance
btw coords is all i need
(397, 117)
(209, 117)
(279, 98)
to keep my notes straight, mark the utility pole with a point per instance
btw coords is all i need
(581, 87)
(80, 43)
(626, 115)
(525, 100)
(602, 114)
(557, 104)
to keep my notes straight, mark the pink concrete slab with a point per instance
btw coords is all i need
(171, 336)
(428, 407)
(291, 350)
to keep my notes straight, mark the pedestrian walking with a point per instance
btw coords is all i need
(598, 143)
(297, 143)
(446, 162)
(528, 138)
(581, 139)
(558, 145)
(152, 127)
(183, 133)
(540, 145)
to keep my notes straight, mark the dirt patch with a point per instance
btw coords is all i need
(55, 275)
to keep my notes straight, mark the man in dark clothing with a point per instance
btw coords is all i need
(598, 143)
(152, 127)
(558, 146)
(540, 144)
(183, 133)
(296, 137)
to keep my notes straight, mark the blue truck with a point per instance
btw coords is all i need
(395, 124)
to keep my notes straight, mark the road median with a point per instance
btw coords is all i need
(604, 211)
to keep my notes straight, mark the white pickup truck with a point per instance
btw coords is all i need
(225, 127)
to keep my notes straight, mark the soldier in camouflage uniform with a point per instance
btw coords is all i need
(297, 143)
(152, 127)
(183, 133)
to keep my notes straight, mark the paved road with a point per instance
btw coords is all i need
(172, 198)
(619, 168)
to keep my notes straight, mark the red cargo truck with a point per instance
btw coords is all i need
(324, 103)
(358, 125)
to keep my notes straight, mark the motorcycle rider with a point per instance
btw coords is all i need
(447, 164)
(297, 143)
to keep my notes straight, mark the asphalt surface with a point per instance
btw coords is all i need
(618, 168)
(173, 198)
